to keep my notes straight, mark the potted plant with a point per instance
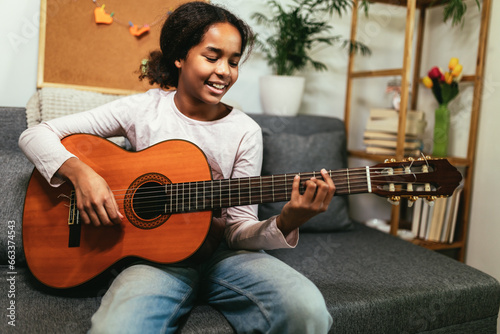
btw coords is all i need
(455, 10)
(294, 34)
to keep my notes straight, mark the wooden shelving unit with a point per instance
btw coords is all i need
(405, 74)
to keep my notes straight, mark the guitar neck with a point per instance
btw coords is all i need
(215, 194)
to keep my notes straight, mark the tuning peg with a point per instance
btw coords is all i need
(390, 160)
(394, 200)
(411, 200)
(430, 200)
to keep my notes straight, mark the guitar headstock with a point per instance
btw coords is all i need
(414, 178)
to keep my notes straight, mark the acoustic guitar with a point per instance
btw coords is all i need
(168, 197)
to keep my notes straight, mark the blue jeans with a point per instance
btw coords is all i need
(256, 293)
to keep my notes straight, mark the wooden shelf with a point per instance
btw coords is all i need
(437, 245)
(420, 3)
(409, 102)
(379, 73)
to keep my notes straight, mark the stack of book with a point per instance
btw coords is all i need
(380, 136)
(436, 223)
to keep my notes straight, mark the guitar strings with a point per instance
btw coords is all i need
(203, 200)
(200, 203)
(275, 186)
(267, 188)
(276, 178)
(226, 187)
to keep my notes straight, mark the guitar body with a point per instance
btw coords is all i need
(61, 259)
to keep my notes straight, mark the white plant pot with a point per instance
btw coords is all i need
(281, 95)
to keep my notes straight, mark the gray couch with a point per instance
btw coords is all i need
(372, 282)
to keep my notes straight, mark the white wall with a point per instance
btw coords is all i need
(483, 249)
(19, 22)
(325, 92)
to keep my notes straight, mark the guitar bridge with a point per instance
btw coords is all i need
(74, 226)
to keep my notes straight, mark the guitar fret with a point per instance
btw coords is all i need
(286, 189)
(271, 196)
(189, 196)
(368, 180)
(239, 192)
(348, 181)
(220, 192)
(250, 190)
(229, 191)
(196, 197)
(183, 194)
(261, 199)
(177, 198)
(171, 198)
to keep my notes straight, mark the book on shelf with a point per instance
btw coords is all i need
(387, 120)
(380, 136)
(386, 136)
(423, 220)
(454, 211)
(391, 151)
(446, 229)
(392, 113)
(437, 223)
(417, 211)
(408, 144)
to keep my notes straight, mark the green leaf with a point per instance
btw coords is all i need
(455, 10)
(448, 92)
(298, 29)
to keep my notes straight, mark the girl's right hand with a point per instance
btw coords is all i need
(94, 199)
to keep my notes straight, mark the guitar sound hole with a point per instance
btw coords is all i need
(149, 200)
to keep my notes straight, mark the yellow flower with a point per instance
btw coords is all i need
(453, 63)
(427, 82)
(448, 78)
(457, 70)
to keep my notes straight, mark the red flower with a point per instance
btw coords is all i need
(435, 73)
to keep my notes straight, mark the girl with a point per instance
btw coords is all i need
(201, 48)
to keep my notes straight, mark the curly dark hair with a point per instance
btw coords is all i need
(182, 30)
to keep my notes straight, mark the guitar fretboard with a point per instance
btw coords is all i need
(215, 194)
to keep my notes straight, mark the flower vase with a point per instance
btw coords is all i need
(441, 131)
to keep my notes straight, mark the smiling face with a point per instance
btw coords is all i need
(209, 70)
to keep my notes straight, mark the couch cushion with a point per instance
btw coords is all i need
(50, 102)
(15, 171)
(376, 283)
(372, 283)
(42, 310)
(12, 124)
(287, 152)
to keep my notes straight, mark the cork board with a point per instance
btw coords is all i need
(77, 52)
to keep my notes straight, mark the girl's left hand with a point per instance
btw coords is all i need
(301, 208)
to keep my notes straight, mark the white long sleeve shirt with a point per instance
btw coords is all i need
(233, 146)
